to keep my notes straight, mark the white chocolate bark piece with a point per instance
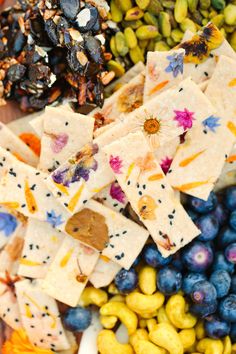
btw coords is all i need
(68, 274)
(165, 154)
(23, 189)
(11, 253)
(104, 272)
(9, 224)
(40, 316)
(228, 173)
(149, 193)
(42, 242)
(198, 162)
(64, 133)
(164, 117)
(204, 70)
(80, 177)
(9, 309)
(163, 70)
(113, 197)
(11, 142)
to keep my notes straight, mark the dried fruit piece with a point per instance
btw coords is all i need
(16, 72)
(87, 18)
(70, 8)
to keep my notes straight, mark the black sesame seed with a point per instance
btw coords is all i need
(181, 89)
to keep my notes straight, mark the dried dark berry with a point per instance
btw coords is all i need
(19, 42)
(38, 72)
(93, 47)
(37, 103)
(99, 93)
(96, 26)
(38, 31)
(87, 18)
(16, 72)
(62, 24)
(70, 8)
(51, 30)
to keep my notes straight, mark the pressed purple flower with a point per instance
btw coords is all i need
(116, 164)
(59, 177)
(59, 142)
(117, 193)
(176, 64)
(165, 164)
(184, 118)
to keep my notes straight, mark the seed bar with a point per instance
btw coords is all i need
(200, 159)
(113, 197)
(68, 274)
(42, 242)
(40, 316)
(149, 193)
(64, 133)
(104, 272)
(11, 142)
(163, 70)
(9, 309)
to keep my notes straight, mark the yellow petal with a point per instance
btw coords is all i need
(130, 169)
(30, 199)
(105, 258)
(62, 188)
(158, 87)
(12, 205)
(27, 262)
(155, 177)
(66, 258)
(189, 159)
(74, 200)
(185, 187)
(231, 126)
(232, 83)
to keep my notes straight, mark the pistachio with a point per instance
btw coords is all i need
(230, 14)
(113, 47)
(229, 29)
(173, 23)
(134, 14)
(116, 13)
(121, 44)
(218, 20)
(143, 43)
(118, 69)
(124, 5)
(142, 4)
(205, 21)
(150, 19)
(130, 37)
(168, 4)
(161, 46)
(170, 42)
(204, 4)
(218, 4)
(151, 45)
(212, 13)
(164, 22)
(146, 32)
(181, 10)
(222, 30)
(233, 40)
(197, 17)
(133, 24)
(177, 35)
(188, 24)
(154, 7)
(136, 55)
(192, 5)
(204, 13)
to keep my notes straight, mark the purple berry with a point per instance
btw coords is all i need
(221, 281)
(169, 280)
(216, 328)
(230, 198)
(190, 279)
(221, 263)
(126, 280)
(209, 227)
(221, 213)
(227, 308)
(230, 253)
(192, 214)
(203, 311)
(153, 257)
(202, 206)
(203, 292)
(225, 237)
(198, 256)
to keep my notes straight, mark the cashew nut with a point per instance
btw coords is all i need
(107, 344)
(151, 323)
(142, 323)
(165, 336)
(141, 303)
(200, 330)
(112, 289)
(162, 316)
(187, 337)
(117, 298)
(93, 296)
(139, 334)
(210, 346)
(175, 309)
(147, 280)
(227, 345)
(148, 315)
(125, 315)
(146, 347)
(234, 348)
(108, 322)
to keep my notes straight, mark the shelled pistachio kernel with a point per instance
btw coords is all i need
(118, 69)
(113, 47)
(161, 46)
(177, 35)
(218, 20)
(181, 10)
(121, 45)
(136, 55)
(124, 5)
(188, 24)
(230, 14)
(146, 32)
(150, 19)
(142, 4)
(130, 37)
(134, 14)
(164, 24)
(116, 13)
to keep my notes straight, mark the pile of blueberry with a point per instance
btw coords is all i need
(205, 269)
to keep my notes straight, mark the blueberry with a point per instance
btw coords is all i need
(203, 311)
(227, 308)
(192, 214)
(233, 284)
(190, 279)
(202, 206)
(137, 260)
(77, 319)
(232, 220)
(221, 281)
(197, 257)
(233, 332)
(169, 280)
(177, 261)
(230, 198)
(225, 237)
(203, 292)
(126, 280)
(221, 213)
(209, 227)
(221, 263)
(153, 257)
(216, 328)
(230, 253)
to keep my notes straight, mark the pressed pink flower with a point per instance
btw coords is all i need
(184, 118)
(116, 164)
(59, 142)
(117, 193)
(165, 164)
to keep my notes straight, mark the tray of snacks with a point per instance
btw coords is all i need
(118, 179)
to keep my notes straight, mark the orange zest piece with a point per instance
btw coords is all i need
(231, 126)
(158, 87)
(231, 158)
(30, 199)
(232, 83)
(155, 177)
(11, 205)
(32, 141)
(74, 200)
(189, 159)
(18, 156)
(191, 185)
(66, 258)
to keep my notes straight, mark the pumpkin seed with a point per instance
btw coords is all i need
(121, 44)
(147, 32)
(134, 14)
(130, 37)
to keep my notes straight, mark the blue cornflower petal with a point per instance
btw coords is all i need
(176, 64)
(53, 219)
(8, 223)
(211, 123)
